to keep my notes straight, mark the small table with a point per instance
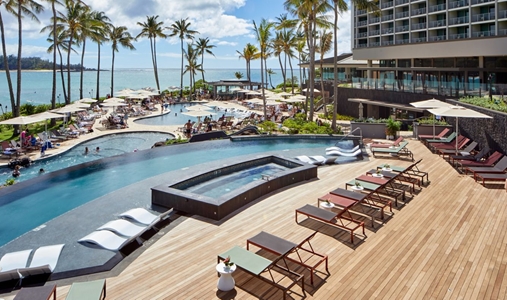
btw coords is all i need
(377, 175)
(327, 205)
(226, 281)
(357, 188)
(387, 169)
(40, 292)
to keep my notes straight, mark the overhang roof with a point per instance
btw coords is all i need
(385, 104)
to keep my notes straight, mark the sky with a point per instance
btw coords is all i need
(227, 23)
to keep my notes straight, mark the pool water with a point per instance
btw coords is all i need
(51, 195)
(110, 145)
(224, 184)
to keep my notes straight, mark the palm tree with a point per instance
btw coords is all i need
(250, 52)
(152, 29)
(270, 72)
(182, 30)
(192, 67)
(100, 36)
(119, 36)
(339, 7)
(300, 48)
(85, 31)
(238, 75)
(203, 46)
(277, 45)
(325, 39)
(263, 33)
(9, 8)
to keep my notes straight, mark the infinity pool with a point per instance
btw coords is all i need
(28, 205)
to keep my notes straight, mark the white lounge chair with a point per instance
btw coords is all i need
(316, 159)
(141, 215)
(11, 262)
(308, 160)
(124, 228)
(106, 239)
(343, 150)
(44, 261)
(340, 153)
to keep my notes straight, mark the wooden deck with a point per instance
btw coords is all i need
(448, 242)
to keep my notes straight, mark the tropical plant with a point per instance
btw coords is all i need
(250, 52)
(182, 30)
(100, 36)
(494, 104)
(9, 7)
(324, 45)
(192, 67)
(270, 72)
(119, 36)
(203, 46)
(267, 126)
(263, 33)
(238, 75)
(152, 29)
(392, 127)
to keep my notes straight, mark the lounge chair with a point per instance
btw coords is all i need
(257, 265)
(37, 293)
(463, 152)
(476, 157)
(341, 153)
(380, 186)
(334, 148)
(124, 228)
(448, 139)
(399, 151)
(316, 159)
(106, 239)
(396, 177)
(490, 177)
(142, 216)
(498, 168)
(361, 199)
(44, 261)
(430, 136)
(7, 149)
(396, 143)
(331, 218)
(11, 262)
(89, 290)
(488, 162)
(412, 170)
(462, 141)
(279, 246)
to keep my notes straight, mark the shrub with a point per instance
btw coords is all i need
(429, 121)
(267, 126)
(494, 104)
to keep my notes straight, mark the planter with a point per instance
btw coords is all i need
(428, 129)
(369, 130)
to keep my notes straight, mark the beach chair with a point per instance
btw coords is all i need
(341, 153)
(335, 148)
(447, 139)
(301, 254)
(488, 162)
(498, 168)
(44, 261)
(142, 216)
(464, 152)
(380, 186)
(331, 218)
(412, 170)
(11, 263)
(124, 228)
(490, 177)
(263, 268)
(106, 239)
(477, 157)
(7, 150)
(462, 141)
(430, 136)
(37, 293)
(399, 151)
(402, 177)
(316, 159)
(89, 290)
(396, 143)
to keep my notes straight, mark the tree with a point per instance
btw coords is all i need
(85, 31)
(270, 72)
(152, 29)
(119, 36)
(250, 52)
(203, 46)
(277, 45)
(182, 30)
(100, 36)
(325, 39)
(238, 75)
(192, 67)
(263, 33)
(9, 7)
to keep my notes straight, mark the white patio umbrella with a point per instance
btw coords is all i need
(114, 99)
(86, 100)
(307, 90)
(458, 112)
(71, 108)
(429, 104)
(284, 94)
(254, 93)
(25, 120)
(198, 114)
(198, 107)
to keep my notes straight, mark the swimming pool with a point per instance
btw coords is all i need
(175, 117)
(110, 145)
(29, 204)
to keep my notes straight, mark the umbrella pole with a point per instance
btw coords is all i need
(433, 126)
(457, 134)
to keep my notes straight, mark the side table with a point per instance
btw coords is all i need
(226, 281)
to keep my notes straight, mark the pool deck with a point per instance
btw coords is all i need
(448, 242)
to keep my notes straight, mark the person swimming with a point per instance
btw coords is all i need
(16, 172)
(97, 149)
(86, 151)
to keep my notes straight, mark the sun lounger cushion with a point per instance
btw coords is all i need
(105, 239)
(343, 150)
(44, 260)
(15, 260)
(340, 153)
(89, 290)
(140, 215)
(123, 228)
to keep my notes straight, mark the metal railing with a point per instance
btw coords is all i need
(387, 30)
(402, 14)
(401, 28)
(458, 36)
(400, 2)
(386, 4)
(362, 23)
(459, 20)
(502, 31)
(419, 40)
(361, 45)
(438, 7)
(387, 17)
(362, 34)
(374, 20)
(387, 43)
(437, 38)
(419, 11)
(401, 42)
(502, 14)
(418, 26)
(481, 1)
(374, 32)
(374, 44)
(437, 23)
(458, 4)
(483, 17)
(483, 33)
(360, 12)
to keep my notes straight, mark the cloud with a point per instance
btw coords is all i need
(28, 50)
(225, 43)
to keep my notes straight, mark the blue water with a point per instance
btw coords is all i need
(221, 185)
(36, 86)
(27, 208)
(110, 145)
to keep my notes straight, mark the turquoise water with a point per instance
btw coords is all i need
(36, 86)
(110, 145)
(51, 195)
(222, 185)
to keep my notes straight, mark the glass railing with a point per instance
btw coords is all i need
(458, 36)
(459, 20)
(502, 14)
(419, 26)
(481, 1)
(401, 28)
(374, 44)
(375, 20)
(458, 4)
(400, 2)
(402, 14)
(401, 42)
(387, 17)
(502, 31)
(432, 87)
(360, 12)
(437, 23)
(483, 33)
(438, 7)
(362, 34)
(387, 4)
(419, 40)
(387, 43)
(362, 23)
(483, 17)
(437, 38)
(387, 30)
(419, 11)
(374, 32)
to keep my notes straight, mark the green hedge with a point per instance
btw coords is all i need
(494, 104)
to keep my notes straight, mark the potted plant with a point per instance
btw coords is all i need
(392, 127)
(228, 263)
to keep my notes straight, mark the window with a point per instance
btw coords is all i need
(391, 63)
(404, 63)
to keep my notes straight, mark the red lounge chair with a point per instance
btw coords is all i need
(490, 177)
(462, 141)
(489, 162)
(430, 136)
(464, 152)
(476, 157)
(387, 145)
(498, 168)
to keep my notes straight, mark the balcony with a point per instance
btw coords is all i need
(401, 42)
(418, 26)
(375, 44)
(387, 17)
(362, 34)
(402, 28)
(387, 4)
(361, 12)
(458, 4)
(437, 38)
(458, 36)
(374, 32)
(502, 31)
(483, 34)
(439, 7)
(402, 14)
(362, 23)
(460, 20)
(374, 20)
(419, 11)
(437, 23)
(387, 43)
(481, 1)
(388, 30)
(419, 40)
(361, 45)
(400, 2)
(502, 14)
(483, 17)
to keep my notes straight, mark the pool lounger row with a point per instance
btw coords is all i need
(90, 290)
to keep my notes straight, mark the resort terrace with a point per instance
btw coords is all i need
(448, 242)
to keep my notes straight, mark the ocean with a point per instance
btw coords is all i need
(36, 85)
